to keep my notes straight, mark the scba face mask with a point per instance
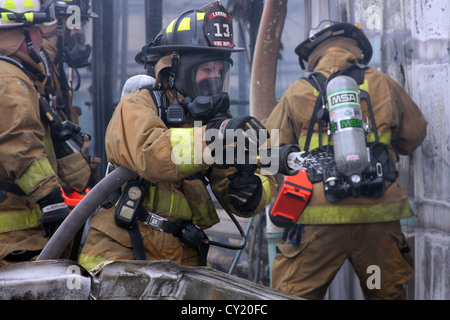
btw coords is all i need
(208, 108)
(76, 51)
(207, 97)
(210, 78)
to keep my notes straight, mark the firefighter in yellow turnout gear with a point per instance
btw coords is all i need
(153, 128)
(63, 45)
(364, 229)
(31, 204)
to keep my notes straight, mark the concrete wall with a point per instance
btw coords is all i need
(411, 44)
(430, 32)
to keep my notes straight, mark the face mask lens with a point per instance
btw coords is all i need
(209, 87)
(211, 78)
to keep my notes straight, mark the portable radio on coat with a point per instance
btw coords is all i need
(291, 201)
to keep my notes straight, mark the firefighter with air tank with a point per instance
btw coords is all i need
(350, 121)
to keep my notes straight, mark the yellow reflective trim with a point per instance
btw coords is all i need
(39, 170)
(365, 86)
(175, 205)
(354, 214)
(29, 16)
(166, 203)
(171, 203)
(28, 4)
(314, 144)
(9, 4)
(19, 220)
(266, 187)
(316, 93)
(201, 15)
(204, 214)
(170, 27)
(4, 17)
(185, 24)
(49, 148)
(90, 262)
(385, 139)
(182, 141)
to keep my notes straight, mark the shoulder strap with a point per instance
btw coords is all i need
(158, 96)
(62, 78)
(15, 63)
(21, 67)
(138, 243)
(317, 80)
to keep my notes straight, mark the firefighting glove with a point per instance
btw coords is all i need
(244, 192)
(253, 130)
(54, 210)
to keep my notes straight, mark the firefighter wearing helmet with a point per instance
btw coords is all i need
(357, 219)
(64, 45)
(162, 214)
(31, 201)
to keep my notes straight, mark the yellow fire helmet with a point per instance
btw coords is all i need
(328, 29)
(16, 13)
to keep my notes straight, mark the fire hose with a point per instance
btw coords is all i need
(81, 213)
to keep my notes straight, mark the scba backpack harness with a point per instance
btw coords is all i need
(320, 164)
(66, 135)
(380, 166)
(129, 208)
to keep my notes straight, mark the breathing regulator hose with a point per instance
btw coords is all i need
(81, 213)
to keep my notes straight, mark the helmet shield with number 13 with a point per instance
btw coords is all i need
(204, 40)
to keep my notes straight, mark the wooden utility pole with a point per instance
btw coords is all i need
(264, 69)
(153, 23)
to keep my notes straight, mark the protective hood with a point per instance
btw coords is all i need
(327, 30)
(339, 42)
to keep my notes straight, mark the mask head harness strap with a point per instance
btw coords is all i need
(172, 74)
(36, 58)
(175, 114)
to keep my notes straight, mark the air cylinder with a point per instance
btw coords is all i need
(349, 138)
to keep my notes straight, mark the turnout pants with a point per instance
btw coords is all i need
(108, 242)
(378, 252)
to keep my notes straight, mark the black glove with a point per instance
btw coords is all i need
(54, 211)
(250, 126)
(244, 192)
